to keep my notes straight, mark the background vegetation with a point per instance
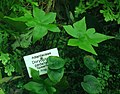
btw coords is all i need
(17, 40)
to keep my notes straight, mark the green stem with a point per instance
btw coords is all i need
(0, 74)
(49, 5)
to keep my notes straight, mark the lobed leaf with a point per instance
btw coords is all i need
(84, 38)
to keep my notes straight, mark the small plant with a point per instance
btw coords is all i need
(39, 21)
(55, 74)
(84, 38)
(107, 8)
(31, 26)
(6, 62)
(91, 84)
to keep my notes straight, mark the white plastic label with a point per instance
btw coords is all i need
(38, 61)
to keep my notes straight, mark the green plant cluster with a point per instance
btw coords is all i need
(30, 26)
(55, 74)
(110, 10)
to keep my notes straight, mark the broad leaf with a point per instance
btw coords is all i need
(80, 26)
(55, 75)
(49, 18)
(90, 62)
(36, 88)
(50, 90)
(38, 13)
(85, 45)
(55, 62)
(48, 82)
(91, 84)
(35, 75)
(39, 32)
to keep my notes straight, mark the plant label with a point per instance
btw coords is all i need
(38, 61)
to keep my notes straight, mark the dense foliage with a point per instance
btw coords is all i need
(86, 65)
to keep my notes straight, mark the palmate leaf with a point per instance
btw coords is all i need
(85, 38)
(41, 22)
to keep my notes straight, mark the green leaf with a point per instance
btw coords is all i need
(85, 45)
(84, 38)
(4, 58)
(27, 17)
(90, 62)
(40, 22)
(97, 37)
(73, 42)
(37, 88)
(38, 13)
(48, 82)
(108, 15)
(35, 75)
(9, 69)
(52, 27)
(1, 91)
(55, 62)
(49, 18)
(91, 84)
(55, 75)
(50, 90)
(71, 31)
(39, 32)
(80, 26)
(31, 24)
